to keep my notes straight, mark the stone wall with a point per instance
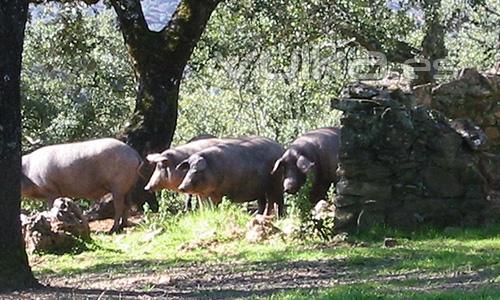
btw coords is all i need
(404, 166)
(473, 96)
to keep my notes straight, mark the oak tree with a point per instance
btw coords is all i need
(15, 272)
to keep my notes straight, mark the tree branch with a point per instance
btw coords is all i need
(399, 53)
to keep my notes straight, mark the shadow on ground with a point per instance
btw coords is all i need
(244, 280)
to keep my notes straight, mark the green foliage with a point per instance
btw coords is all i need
(32, 205)
(473, 33)
(312, 224)
(170, 205)
(262, 67)
(301, 206)
(77, 82)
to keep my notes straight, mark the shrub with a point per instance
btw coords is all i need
(314, 222)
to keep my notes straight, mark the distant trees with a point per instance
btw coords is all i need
(15, 272)
(405, 32)
(272, 67)
(77, 82)
(158, 62)
(262, 67)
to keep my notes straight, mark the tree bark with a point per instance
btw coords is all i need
(433, 46)
(15, 272)
(159, 59)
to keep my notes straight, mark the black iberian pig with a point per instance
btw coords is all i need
(165, 175)
(315, 151)
(237, 168)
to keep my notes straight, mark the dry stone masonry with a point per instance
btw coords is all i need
(474, 96)
(405, 165)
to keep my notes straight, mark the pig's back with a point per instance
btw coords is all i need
(195, 146)
(245, 166)
(87, 169)
(322, 145)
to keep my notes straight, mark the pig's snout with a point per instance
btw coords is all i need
(186, 186)
(154, 182)
(289, 186)
(151, 187)
(183, 187)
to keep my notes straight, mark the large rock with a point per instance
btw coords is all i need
(442, 183)
(405, 165)
(57, 230)
(261, 228)
(471, 96)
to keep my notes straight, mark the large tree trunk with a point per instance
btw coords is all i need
(15, 272)
(159, 59)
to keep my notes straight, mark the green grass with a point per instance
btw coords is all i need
(371, 291)
(422, 261)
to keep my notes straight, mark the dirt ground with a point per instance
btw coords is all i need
(243, 280)
(106, 224)
(237, 280)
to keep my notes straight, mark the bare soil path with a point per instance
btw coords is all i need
(240, 280)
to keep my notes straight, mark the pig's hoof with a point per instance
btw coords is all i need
(116, 229)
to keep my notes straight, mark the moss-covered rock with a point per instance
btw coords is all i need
(417, 166)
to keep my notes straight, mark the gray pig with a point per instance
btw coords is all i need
(165, 175)
(237, 168)
(88, 169)
(315, 151)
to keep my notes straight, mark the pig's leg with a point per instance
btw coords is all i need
(261, 205)
(274, 193)
(188, 203)
(278, 199)
(119, 204)
(216, 199)
(275, 198)
(126, 214)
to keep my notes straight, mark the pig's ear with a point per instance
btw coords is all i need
(201, 165)
(304, 164)
(183, 165)
(278, 164)
(156, 158)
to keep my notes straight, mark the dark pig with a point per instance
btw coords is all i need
(188, 203)
(202, 136)
(89, 169)
(237, 168)
(165, 175)
(315, 151)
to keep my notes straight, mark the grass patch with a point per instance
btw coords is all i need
(423, 265)
(372, 291)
